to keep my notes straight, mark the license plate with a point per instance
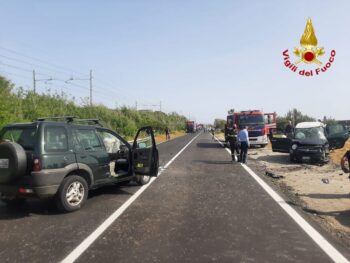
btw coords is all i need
(306, 158)
(4, 163)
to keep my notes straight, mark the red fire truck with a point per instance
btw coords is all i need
(190, 126)
(259, 125)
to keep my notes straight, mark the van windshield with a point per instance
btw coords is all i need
(310, 133)
(24, 136)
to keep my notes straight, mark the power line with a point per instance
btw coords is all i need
(107, 89)
(22, 69)
(109, 86)
(15, 67)
(17, 75)
(43, 67)
(42, 61)
(32, 64)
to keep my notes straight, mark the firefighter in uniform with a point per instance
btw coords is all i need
(233, 141)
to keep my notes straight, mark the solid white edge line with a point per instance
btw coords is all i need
(80, 249)
(330, 250)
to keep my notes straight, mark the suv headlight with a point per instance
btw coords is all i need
(294, 146)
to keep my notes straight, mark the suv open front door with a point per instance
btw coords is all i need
(337, 135)
(145, 153)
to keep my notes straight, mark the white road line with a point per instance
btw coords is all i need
(80, 249)
(331, 251)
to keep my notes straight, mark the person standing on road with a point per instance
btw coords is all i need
(243, 138)
(213, 132)
(289, 129)
(233, 142)
(167, 134)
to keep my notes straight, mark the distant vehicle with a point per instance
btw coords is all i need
(311, 141)
(190, 126)
(259, 125)
(67, 157)
(199, 127)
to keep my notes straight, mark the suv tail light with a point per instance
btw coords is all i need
(37, 165)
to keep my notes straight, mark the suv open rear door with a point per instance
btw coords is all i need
(146, 158)
(337, 135)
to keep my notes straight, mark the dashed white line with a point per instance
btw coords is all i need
(330, 250)
(80, 249)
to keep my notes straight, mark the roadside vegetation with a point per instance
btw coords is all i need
(297, 116)
(19, 105)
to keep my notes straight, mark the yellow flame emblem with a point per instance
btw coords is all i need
(309, 53)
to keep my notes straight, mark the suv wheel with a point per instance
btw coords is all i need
(71, 194)
(142, 179)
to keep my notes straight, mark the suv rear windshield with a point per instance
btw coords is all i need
(25, 136)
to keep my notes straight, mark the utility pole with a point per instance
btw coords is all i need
(34, 85)
(136, 105)
(35, 80)
(160, 106)
(90, 87)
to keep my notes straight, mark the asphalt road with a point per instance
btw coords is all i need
(203, 208)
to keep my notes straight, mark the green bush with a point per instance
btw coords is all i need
(18, 105)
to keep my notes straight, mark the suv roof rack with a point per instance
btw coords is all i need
(71, 119)
(89, 121)
(66, 118)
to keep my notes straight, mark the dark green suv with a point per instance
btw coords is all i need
(64, 157)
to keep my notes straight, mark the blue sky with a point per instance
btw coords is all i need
(199, 58)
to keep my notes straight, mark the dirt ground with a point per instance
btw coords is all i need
(322, 191)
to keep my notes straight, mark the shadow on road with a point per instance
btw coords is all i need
(212, 162)
(208, 145)
(284, 159)
(48, 207)
(343, 217)
(111, 190)
(326, 196)
(278, 159)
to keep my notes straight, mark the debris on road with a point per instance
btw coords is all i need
(325, 180)
(274, 176)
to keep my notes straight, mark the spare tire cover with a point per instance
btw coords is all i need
(13, 161)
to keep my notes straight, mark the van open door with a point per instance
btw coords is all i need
(337, 135)
(270, 122)
(145, 152)
(280, 143)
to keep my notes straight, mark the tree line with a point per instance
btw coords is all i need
(19, 105)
